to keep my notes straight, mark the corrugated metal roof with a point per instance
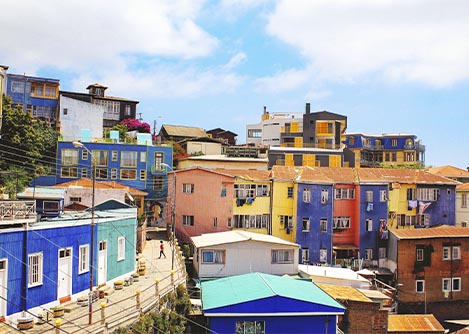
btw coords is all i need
(464, 186)
(413, 323)
(327, 175)
(401, 176)
(43, 193)
(443, 231)
(449, 171)
(184, 131)
(285, 172)
(344, 293)
(247, 174)
(88, 183)
(228, 237)
(254, 286)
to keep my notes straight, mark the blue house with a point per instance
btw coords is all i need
(143, 166)
(36, 256)
(49, 201)
(36, 95)
(260, 303)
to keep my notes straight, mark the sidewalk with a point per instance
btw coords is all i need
(123, 306)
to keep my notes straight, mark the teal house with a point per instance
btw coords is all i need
(261, 303)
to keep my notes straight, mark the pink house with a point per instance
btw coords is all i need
(204, 201)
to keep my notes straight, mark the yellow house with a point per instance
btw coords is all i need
(284, 209)
(251, 203)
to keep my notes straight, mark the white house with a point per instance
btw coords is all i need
(239, 252)
(462, 209)
(334, 275)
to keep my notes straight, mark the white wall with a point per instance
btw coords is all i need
(205, 148)
(101, 195)
(246, 257)
(80, 115)
(462, 214)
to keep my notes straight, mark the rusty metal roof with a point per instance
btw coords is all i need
(285, 172)
(344, 293)
(247, 174)
(327, 175)
(443, 231)
(388, 175)
(449, 171)
(462, 187)
(88, 183)
(414, 323)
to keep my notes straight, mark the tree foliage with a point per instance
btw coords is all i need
(27, 148)
(174, 309)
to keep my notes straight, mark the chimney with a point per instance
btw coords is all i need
(308, 108)
(265, 109)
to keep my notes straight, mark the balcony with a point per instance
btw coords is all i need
(17, 211)
(312, 145)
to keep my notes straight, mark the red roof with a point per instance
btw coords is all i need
(443, 231)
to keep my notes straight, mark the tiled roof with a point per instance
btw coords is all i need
(228, 237)
(344, 293)
(414, 323)
(255, 286)
(449, 171)
(443, 231)
(247, 174)
(184, 131)
(88, 183)
(464, 186)
(401, 176)
(327, 175)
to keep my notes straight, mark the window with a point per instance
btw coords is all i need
(369, 196)
(251, 221)
(419, 286)
(50, 206)
(70, 157)
(344, 193)
(351, 140)
(323, 255)
(282, 256)
(286, 221)
(451, 253)
(35, 269)
(101, 173)
(84, 154)
(223, 190)
(159, 159)
(250, 327)
(84, 172)
(75, 199)
(158, 182)
(369, 225)
(305, 225)
(187, 220)
(419, 254)
(411, 194)
(143, 156)
(188, 188)
(323, 225)
(464, 201)
(113, 173)
(262, 190)
(290, 192)
(341, 223)
(307, 195)
(128, 174)
(128, 159)
(17, 87)
(382, 252)
(423, 220)
(120, 248)
(37, 89)
(383, 195)
(215, 222)
(143, 174)
(394, 156)
(324, 196)
(244, 190)
(68, 172)
(455, 286)
(428, 194)
(394, 142)
(100, 157)
(229, 222)
(83, 259)
(114, 155)
(305, 255)
(368, 254)
(127, 110)
(213, 256)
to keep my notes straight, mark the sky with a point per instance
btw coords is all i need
(390, 66)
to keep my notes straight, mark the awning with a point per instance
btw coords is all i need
(345, 247)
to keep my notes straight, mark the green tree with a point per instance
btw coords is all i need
(27, 148)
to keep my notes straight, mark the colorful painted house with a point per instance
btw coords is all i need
(50, 202)
(239, 252)
(261, 303)
(36, 95)
(203, 201)
(41, 264)
(462, 209)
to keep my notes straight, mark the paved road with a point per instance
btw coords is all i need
(122, 307)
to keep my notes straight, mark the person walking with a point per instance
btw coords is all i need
(162, 249)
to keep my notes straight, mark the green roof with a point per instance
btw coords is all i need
(254, 286)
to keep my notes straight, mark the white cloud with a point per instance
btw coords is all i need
(283, 81)
(236, 60)
(420, 41)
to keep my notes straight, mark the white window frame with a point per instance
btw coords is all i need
(451, 253)
(323, 225)
(303, 227)
(420, 255)
(382, 252)
(369, 196)
(368, 253)
(35, 270)
(421, 281)
(456, 279)
(188, 220)
(290, 192)
(188, 188)
(83, 259)
(369, 224)
(143, 174)
(280, 256)
(323, 255)
(121, 248)
(305, 255)
(383, 195)
(324, 196)
(129, 159)
(143, 156)
(307, 195)
(218, 256)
